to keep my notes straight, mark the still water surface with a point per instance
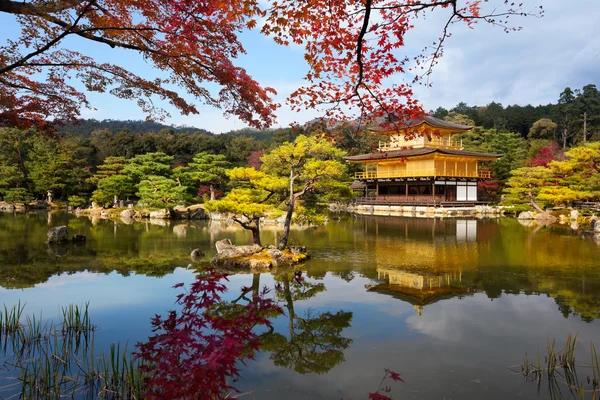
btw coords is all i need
(449, 304)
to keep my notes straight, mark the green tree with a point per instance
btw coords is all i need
(144, 165)
(524, 185)
(254, 196)
(208, 169)
(112, 188)
(457, 118)
(514, 148)
(576, 178)
(543, 128)
(311, 165)
(586, 108)
(160, 191)
(565, 114)
(56, 169)
(111, 183)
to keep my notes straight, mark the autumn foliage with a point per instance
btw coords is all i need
(195, 352)
(353, 49)
(189, 44)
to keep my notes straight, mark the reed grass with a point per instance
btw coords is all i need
(10, 319)
(559, 368)
(55, 360)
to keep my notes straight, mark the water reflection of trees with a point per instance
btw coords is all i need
(314, 341)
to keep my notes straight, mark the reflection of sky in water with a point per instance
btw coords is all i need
(385, 271)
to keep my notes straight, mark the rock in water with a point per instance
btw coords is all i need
(161, 214)
(77, 238)
(7, 207)
(222, 245)
(58, 234)
(197, 254)
(525, 215)
(129, 213)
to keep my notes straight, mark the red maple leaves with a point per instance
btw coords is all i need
(352, 47)
(194, 352)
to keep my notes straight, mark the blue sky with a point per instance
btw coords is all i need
(479, 66)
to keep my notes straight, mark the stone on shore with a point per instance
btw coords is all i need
(129, 213)
(58, 234)
(546, 217)
(7, 207)
(525, 215)
(160, 214)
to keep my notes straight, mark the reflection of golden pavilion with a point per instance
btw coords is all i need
(420, 289)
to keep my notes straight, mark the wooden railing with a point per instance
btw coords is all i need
(484, 174)
(414, 200)
(440, 143)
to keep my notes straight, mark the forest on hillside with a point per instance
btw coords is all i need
(34, 164)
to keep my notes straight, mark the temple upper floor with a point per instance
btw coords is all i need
(427, 131)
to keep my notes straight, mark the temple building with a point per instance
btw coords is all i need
(420, 163)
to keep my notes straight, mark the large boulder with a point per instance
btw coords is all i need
(195, 211)
(546, 217)
(525, 215)
(160, 214)
(7, 207)
(58, 234)
(227, 252)
(129, 213)
(223, 244)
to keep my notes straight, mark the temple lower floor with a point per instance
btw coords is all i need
(419, 191)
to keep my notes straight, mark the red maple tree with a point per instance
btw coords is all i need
(352, 47)
(189, 43)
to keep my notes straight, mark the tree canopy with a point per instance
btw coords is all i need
(194, 47)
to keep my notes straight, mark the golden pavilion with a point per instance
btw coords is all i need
(420, 163)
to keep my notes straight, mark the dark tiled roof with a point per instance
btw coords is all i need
(382, 155)
(429, 120)
(358, 185)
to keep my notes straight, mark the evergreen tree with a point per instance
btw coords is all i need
(208, 169)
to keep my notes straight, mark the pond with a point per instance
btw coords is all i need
(449, 304)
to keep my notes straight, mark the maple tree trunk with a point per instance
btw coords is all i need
(212, 192)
